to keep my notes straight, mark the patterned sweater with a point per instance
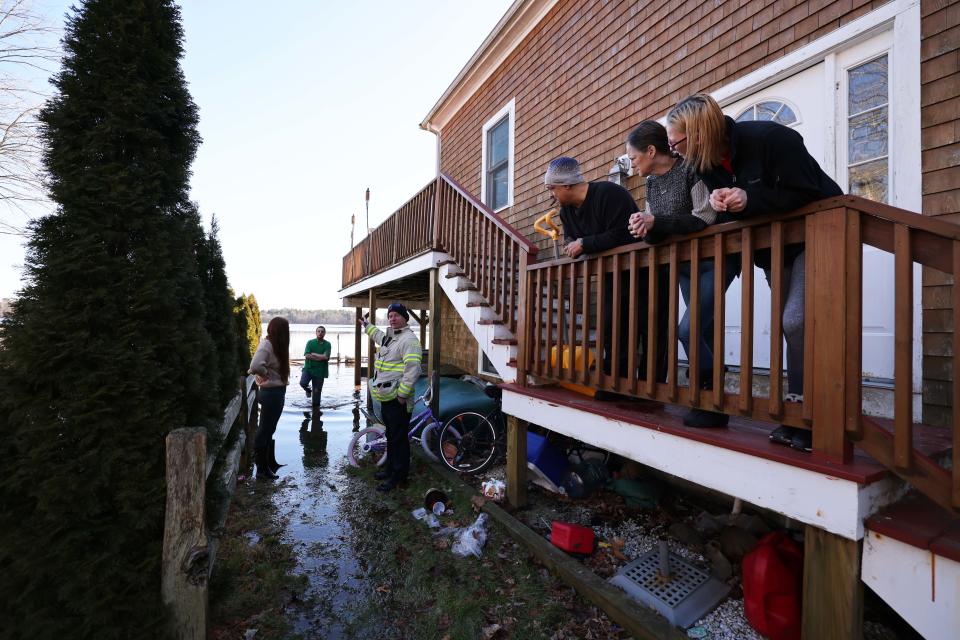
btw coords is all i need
(679, 201)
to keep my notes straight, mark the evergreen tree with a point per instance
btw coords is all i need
(220, 321)
(249, 328)
(106, 349)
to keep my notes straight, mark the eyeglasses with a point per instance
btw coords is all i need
(673, 145)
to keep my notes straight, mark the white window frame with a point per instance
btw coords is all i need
(509, 111)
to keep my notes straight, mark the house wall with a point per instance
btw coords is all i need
(940, 142)
(459, 347)
(590, 71)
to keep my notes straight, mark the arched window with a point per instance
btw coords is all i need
(770, 110)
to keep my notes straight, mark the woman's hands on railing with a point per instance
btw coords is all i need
(640, 224)
(730, 200)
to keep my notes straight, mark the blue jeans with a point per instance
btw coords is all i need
(731, 269)
(271, 406)
(316, 387)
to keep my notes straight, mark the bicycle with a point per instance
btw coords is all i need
(471, 441)
(369, 446)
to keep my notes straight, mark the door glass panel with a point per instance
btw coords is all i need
(867, 86)
(870, 180)
(868, 135)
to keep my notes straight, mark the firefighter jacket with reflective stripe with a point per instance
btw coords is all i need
(397, 365)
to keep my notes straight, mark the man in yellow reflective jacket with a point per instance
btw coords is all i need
(395, 371)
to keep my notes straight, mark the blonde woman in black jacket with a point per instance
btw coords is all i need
(754, 168)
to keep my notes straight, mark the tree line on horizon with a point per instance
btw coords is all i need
(311, 316)
(125, 329)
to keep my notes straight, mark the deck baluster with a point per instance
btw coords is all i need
(746, 320)
(903, 348)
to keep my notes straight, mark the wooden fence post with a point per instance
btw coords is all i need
(516, 462)
(186, 552)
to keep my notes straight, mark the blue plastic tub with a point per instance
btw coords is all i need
(548, 459)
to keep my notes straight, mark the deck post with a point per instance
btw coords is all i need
(371, 346)
(186, 554)
(357, 341)
(832, 590)
(424, 319)
(827, 287)
(516, 462)
(433, 350)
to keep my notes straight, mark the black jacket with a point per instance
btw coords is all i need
(601, 221)
(773, 166)
(770, 163)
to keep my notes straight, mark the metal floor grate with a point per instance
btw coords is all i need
(682, 599)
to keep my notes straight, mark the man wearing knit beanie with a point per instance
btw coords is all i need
(595, 216)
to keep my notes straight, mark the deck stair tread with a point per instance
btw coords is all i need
(486, 321)
(744, 435)
(460, 274)
(512, 362)
(478, 303)
(466, 287)
(920, 522)
(507, 341)
(446, 262)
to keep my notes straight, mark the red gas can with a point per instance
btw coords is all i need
(572, 538)
(772, 585)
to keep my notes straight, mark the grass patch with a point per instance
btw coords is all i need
(252, 584)
(424, 591)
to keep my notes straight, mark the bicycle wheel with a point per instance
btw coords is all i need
(368, 447)
(468, 443)
(430, 440)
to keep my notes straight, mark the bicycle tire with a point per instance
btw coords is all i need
(427, 437)
(468, 443)
(365, 453)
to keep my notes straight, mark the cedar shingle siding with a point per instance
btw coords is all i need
(940, 141)
(590, 71)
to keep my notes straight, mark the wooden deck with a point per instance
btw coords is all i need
(742, 435)
(920, 522)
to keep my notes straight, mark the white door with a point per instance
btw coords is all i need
(842, 109)
(864, 168)
(797, 102)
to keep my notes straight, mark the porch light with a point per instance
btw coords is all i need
(620, 171)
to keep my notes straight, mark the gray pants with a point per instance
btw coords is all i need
(793, 290)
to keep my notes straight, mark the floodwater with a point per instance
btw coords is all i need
(311, 496)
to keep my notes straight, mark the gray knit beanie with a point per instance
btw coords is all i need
(563, 171)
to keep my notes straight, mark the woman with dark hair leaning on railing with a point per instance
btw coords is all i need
(677, 202)
(754, 168)
(271, 366)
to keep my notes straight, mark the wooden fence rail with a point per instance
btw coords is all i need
(189, 548)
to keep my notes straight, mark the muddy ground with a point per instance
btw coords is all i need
(321, 554)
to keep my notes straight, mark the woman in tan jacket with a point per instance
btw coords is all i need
(271, 366)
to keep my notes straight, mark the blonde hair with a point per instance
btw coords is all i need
(699, 117)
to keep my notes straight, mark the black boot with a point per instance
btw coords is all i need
(274, 465)
(263, 465)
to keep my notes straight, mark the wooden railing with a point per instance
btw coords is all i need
(491, 253)
(408, 232)
(566, 310)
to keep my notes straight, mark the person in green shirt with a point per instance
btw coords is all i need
(315, 367)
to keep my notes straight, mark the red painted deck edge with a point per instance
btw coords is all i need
(744, 436)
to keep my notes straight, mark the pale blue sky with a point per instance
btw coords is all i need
(303, 105)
